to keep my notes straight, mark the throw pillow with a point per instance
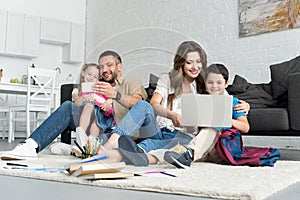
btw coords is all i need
(279, 74)
(152, 86)
(239, 85)
(153, 81)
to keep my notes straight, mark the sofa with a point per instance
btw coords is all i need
(275, 106)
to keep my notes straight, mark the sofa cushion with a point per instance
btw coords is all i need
(279, 74)
(152, 86)
(239, 85)
(294, 100)
(254, 94)
(268, 119)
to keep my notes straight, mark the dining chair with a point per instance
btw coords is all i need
(38, 101)
(4, 114)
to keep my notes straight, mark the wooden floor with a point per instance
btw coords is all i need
(32, 189)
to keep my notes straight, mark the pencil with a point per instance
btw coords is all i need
(165, 173)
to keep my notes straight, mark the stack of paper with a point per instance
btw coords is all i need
(98, 167)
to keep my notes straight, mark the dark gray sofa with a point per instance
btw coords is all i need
(275, 106)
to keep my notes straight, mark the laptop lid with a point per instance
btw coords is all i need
(206, 110)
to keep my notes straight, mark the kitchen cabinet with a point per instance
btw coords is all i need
(14, 36)
(3, 19)
(74, 52)
(55, 31)
(31, 40)
(22, 37)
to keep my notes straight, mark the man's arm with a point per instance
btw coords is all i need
(126, 100)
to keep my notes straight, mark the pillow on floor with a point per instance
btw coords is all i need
(279, 74)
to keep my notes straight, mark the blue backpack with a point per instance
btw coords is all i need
(230, 147)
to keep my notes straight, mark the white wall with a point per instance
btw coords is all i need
(49, 55)
(147, 33)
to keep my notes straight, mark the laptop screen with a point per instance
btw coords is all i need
(206, 110)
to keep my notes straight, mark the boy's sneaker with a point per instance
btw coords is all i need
(81, 137)
(179, 156)
(60, 148)
(22, 151)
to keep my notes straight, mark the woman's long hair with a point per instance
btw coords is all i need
(177, 73)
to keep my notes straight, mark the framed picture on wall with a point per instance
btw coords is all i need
(256, 17)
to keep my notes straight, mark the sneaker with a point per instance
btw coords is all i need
(131, 153)
(23, 151)
(60, 148)
(179, 156)
(81, 137)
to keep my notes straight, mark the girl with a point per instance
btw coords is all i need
(97, 112)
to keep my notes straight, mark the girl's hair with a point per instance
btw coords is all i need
(83, 69)
(218, 69)
(177, 73)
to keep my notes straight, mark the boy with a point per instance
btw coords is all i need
(201, 148)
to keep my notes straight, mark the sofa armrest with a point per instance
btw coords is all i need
(294, 100)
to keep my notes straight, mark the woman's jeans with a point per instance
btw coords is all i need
(142, 118)
(67, 114)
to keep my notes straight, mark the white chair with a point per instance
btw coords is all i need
(4, 114)
(4, 120)
(39, 100)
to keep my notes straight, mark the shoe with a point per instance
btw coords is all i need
(131, 153)
(81, 137)
(60, 148)
(179, 156)
(23, 151)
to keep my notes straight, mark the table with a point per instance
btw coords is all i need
(21, 89)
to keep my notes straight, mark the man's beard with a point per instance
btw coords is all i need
(112, 80)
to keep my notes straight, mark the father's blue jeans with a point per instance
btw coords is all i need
(67, 114)
(142, 118)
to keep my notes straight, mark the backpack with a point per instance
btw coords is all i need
(230, 147)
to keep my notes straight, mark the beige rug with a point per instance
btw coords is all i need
(202, 179)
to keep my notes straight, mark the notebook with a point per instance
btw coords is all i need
(206, 110)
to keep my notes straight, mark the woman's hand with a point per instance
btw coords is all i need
(243, 106)
(176, 119)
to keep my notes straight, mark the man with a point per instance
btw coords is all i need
(125, 92)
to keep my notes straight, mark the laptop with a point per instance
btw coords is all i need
(206, 110)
